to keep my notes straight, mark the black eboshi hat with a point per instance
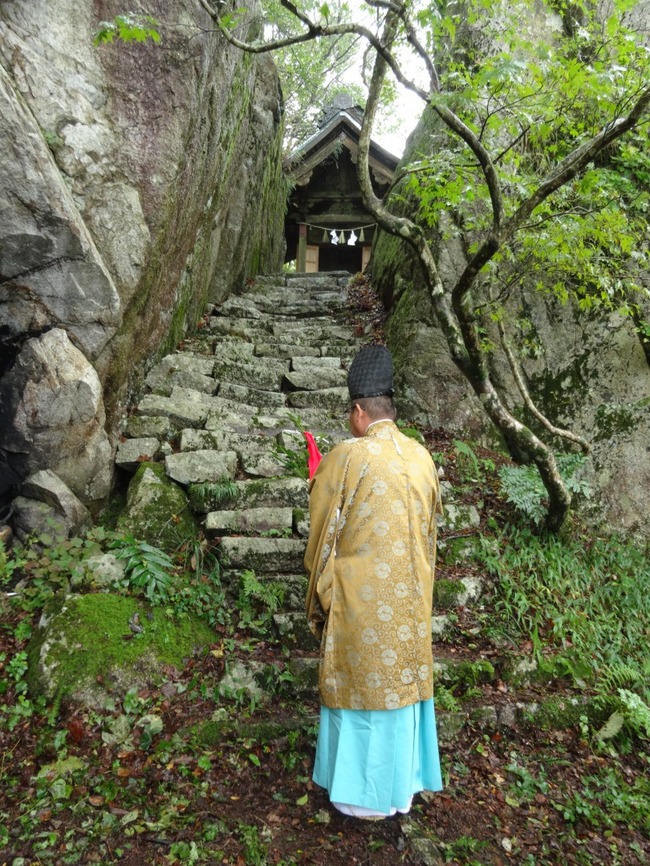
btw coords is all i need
(371, 373)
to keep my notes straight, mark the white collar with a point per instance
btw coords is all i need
(378, 421)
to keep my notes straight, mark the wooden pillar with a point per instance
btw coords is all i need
(301, 264)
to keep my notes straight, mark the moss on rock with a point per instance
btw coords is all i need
(448, 594)
(108, 639)
(558, 713)
(464, 674)
(157, 510)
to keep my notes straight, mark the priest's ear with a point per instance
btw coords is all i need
(358, 420)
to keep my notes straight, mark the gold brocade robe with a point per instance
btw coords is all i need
(370, 559)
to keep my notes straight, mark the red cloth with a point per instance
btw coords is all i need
(314, 455)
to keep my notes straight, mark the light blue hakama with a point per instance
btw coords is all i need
(378, 759)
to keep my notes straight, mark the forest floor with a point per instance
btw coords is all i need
(173, 774)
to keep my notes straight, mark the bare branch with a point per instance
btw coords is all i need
(291, 7)
(399, 10)
(456, 125)
(316, 31)
(528, 402)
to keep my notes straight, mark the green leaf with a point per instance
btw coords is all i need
(611, 727)
(302, 801)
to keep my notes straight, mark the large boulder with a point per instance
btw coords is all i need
(137, 182)
(51, 273)
(45, 488)
(54, 418)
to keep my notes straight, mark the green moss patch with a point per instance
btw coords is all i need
(447, 594)
(558, 713)
(111, 639)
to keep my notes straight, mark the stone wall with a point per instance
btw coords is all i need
(137, 183)
(590, 375)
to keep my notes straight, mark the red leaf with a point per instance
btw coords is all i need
(76, 730)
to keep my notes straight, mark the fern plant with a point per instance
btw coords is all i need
(255, 595)
(214, 495)
(469, 465)
(633, 713)
(295, 460)
(523, 488)
(148, 569)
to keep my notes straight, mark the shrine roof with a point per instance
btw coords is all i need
(342, 129)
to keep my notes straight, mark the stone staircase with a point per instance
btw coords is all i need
(221, 413)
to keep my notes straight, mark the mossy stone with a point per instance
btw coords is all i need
(461, 550)
(157, 510)
(447, 594)
(558, 713)
(228, 727)
(113, 639)
(465, 673)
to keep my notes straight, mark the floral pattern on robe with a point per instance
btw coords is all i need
(371, 558)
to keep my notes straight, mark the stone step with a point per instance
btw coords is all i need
(239, 306)
(236, 419)
(233, 350)
(224, 440)
(317, 281)
(246, 329)
(306, 309)
(195, 405)
(312, 334)
(272, 492)
(180, 411)
(302, 364)
(291, 587)
(179, 362)
(198, 467)
(254, 397)
(282, 299)
(316, 419)
(261, 465)
(201, 344)
(132, 452)
(334, 399)
(250, 521)
(264, 373)
(292, 629)
(182, 379)
(316, 379)
(346, 353)
(261, 554)
(258, 493)
(147, 426)
(271, 348)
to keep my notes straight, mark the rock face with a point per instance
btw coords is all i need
(55, 417)
(588, 374)
(137, 182)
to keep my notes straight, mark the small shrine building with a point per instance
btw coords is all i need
(327, 227)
